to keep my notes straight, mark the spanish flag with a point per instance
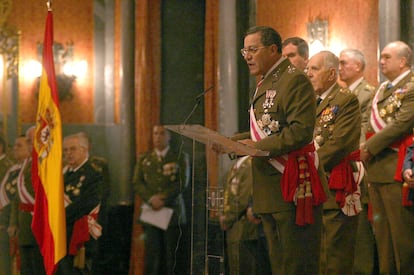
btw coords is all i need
(49, 222)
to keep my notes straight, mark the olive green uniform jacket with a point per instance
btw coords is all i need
(238, 191)
(5, 164)
(293, 107)
(394, 233)
(337, 129)
(381, 168)
(168, 176)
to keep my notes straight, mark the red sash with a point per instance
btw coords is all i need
(400, 146)
(26, 207)
(300, 181)
(342, 179)
(83, 229)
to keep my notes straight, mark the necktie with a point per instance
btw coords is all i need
(318, 101)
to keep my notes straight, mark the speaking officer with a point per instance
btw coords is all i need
(282, 119)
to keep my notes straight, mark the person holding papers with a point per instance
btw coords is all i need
(160, 178)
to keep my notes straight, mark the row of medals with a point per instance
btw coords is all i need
(75, 188)
(394, 102)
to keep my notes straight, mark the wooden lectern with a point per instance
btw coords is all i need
(207, 136)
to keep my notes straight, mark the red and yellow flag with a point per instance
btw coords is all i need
(49, 222)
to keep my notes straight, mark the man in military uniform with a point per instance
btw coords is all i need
(390, 123)
(100, 164)
(282, 118)
(337, 132)
(351, 72)
(82, 183)
(297, 51)
(5, 260)
(241, 235)
(160, 178)
(17, 192)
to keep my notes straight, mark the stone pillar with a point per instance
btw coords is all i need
(228, 101)
(126, 134)
(389, 23)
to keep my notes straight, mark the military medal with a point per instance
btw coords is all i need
(394, 103)
(270, 96)
(75, 189)
(382, 113)
(318, 137)
(329, 114)
(268, 125)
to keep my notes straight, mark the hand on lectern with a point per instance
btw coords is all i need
(247, 142)
(217, 148)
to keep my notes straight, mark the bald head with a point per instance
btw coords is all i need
(395, 59)
(322, 71)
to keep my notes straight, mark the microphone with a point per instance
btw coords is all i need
(199, 96)
(197, 103)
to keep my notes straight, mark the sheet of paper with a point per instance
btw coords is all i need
(159, 218)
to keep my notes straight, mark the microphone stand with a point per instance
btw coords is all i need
(198, 101)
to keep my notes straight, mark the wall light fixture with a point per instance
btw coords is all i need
(317, 36)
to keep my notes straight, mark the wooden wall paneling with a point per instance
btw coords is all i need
(29, 17)
(211, 79)
(352, 24)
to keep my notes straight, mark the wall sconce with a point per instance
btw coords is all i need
(67, 70)
(317, 36)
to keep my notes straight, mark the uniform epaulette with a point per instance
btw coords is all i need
(291, 69)
(370, 87)
(98, 159)
(96, 167)
(345, 91)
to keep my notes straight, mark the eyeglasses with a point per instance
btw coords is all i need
(250, 50)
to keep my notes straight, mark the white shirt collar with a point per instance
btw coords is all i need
(325, 94)
(163, 152)
(401, 76)
(77, 168)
